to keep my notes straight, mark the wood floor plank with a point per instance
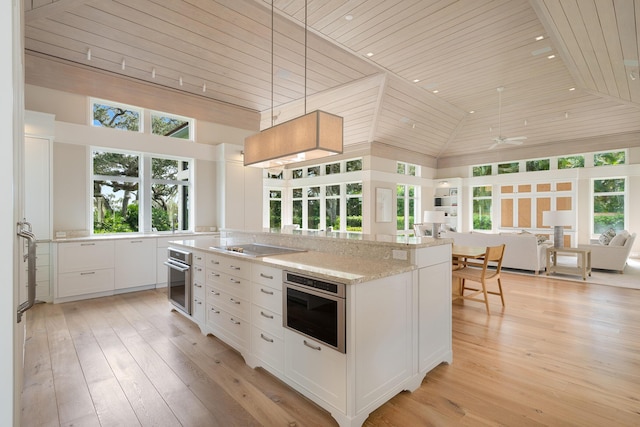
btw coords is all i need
(559, 354)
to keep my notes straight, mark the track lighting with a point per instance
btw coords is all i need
(123, 64)
(153, 73)
(89, 54)
(204, 87)
(180, 80)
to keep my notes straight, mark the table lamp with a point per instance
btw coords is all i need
(558, 220)
(435, 218)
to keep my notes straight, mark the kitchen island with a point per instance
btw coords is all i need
(397, 312)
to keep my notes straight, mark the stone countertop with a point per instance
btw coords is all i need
(124, 236)
(324, 265)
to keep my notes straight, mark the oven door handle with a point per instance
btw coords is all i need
(175, 266)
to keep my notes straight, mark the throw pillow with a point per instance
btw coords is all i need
(619, 239)
(606, 237)
(541, 238)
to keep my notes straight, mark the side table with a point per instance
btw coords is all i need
(583, 261)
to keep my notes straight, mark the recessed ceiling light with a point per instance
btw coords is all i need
(551, 56)
(416, 80)
(471, 112)
(369, 54)
(572, 88)
(348, 17)
(539, 38)
(436, 91)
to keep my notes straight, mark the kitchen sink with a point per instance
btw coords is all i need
(256, 250)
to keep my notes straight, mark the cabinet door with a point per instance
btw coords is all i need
(135, 263)
(317, 368)
(434, 333)
(84, 256)
(85, 282)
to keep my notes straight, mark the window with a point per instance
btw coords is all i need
(297, 173)
(275, 209)
(116, 116)
(570, 162)
(610, 158)
(332, 168)
(279, 175)
(537, 165)
(332, 206)
(172, 126)
(406, 206)
(297, 206)
(504, 168)
(354, 206)
(124, 202)
(406, 169)
(354, 165)
(313, 208)
(482, 207)
(608, 204)
(484, 170)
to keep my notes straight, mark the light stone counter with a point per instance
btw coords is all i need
(345, 260)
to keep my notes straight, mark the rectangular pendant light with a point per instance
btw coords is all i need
(312, 136)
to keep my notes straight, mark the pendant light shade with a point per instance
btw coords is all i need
(308, 137)
(312, 136)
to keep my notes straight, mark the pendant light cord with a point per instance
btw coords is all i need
(305, 56)
(272, 69)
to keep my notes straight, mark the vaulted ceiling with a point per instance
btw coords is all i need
(420, 75)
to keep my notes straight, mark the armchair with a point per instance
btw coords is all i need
(609, 257)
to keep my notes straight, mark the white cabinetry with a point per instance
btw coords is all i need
(228, 292)
(446, 199)
(135, 263)
(84, 268)
(267, 333)
(434, 287)
(43, 274)
(198, 310)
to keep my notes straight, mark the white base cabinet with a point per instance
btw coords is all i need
(135, 263)
(84, 268)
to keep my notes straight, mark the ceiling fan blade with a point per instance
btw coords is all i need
(516, 138)
(494, 146)
(512, 141)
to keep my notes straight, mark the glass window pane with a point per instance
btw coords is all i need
(354, 165)
(313, 212)
(164, 169)
(537, 165)
(313, 171)
(484, 170)
(412, 170)
(169, 207)
(115, 164)
(608, 212)
(608, 185)
(401, 168)
(482, 191)
(296, 173)
(275, 194)
(333, 190)
(354, 188)
(333, 213)
(172, 127)
(612, 158)
(482, 214)
(313, 192)
(332, 168)
(116, 117)
(571, 162)
(297, 193)
(354, 214)
(297, 212)
(504, 168)
(275, 214)
(115, 207)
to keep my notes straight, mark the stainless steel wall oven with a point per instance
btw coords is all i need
(179, 280)
(315, 308)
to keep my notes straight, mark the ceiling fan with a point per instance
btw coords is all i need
(502, 140)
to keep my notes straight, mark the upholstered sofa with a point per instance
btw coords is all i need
(611, 256)
(522, 251)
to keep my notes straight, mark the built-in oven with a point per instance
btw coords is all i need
(315, 308)
(179, 279)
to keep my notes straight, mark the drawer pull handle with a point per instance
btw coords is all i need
(215, 262)
(87, 273)
(266, 292)
(87, 244)
(314, 347)
(136, 241)
(234, 280)
(198, 268)
(215, 294)
(267, 339)
(268, 316)
(198, 302)
(215, 274)
(197, 285)
(234, 321)
(234, 301)
(215, 311)
(266, 276)
(233, 267)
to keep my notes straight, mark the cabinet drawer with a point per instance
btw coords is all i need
(198, 290)
(267, 297)
(226, 301)
(229, 264)
(85, 282)
(265, 275)
(85, 256)
(267, 320)
(269, 349)
(199, 259)
(199, 274)
(232, 284)
(231, 329)
(198, 310)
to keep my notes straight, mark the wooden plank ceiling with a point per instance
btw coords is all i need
(420, 75)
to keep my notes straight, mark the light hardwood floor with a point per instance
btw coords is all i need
(560, 354)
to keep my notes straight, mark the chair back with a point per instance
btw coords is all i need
(494, 254)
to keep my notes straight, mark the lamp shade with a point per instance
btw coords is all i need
(433, 217)
(557, 218)
(312, 136)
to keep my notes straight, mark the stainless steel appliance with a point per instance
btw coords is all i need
(256, 250)
(315, 308)
(179, 280)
